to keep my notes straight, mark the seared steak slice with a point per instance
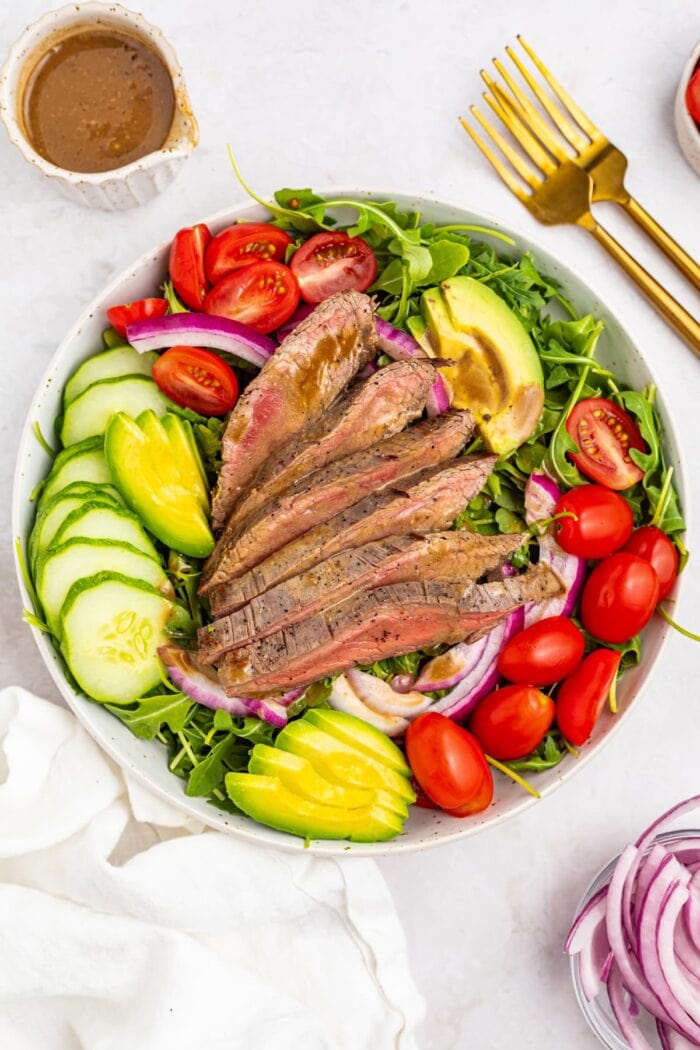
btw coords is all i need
(418, 505)
(376, 624)
(327, 492)
(455, 556)
(293, 389)
(370, 411)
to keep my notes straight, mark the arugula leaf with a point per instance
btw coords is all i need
(227, 755)
(146, 717)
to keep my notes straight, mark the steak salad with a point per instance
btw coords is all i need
(348, 519)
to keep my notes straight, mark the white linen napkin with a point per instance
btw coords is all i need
(120, 929)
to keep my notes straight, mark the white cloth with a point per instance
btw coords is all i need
(122, 930)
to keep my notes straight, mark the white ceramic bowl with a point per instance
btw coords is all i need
(133, 183)
(686, 129)
(147, 760)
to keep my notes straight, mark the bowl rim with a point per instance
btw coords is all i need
(252, 831)
(42, 28)
(682, 114)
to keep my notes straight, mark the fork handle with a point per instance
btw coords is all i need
(684, 262)
(679, 318)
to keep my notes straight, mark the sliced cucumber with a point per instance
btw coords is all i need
(55, 512)
(187, 457)
(111, 628)
(88, 414)
(119, 361)
(59, 567)
(102, 522)
(82, 462)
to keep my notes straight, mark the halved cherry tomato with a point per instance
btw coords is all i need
(197, 379)
(654, 546)
(582, 696)
(263, 295)
(692, 96)
(243, 244)
(333, 262)
(542, 654)
(604, 434)
(187, 264)
(139, 310)
(449, 765)
(513, 721)
(602, 525)
(619, 597)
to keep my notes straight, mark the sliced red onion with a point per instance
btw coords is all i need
(586, 922)
(446, 670)
(380, 697)
(200, 687)
(692, 910)
(461, 701)
(594, 960)
(197, 329)
(270, 711)
(629, 1030)
(368, 370)
(300, 314)
(541, 495)
(672, 1040)
(401, 346)
(682, 985)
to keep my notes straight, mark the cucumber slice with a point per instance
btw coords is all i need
(59, 567)
(119, 361)
(111, 628)
(88, 414)
(187, 457)
(99, 521)
(82, 462)
(55, 512)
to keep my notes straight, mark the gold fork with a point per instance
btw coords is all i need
(560, 192)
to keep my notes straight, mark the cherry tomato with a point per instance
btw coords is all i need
(542, 654)
(243, 244)
(139, 310)
(263, 295)
(619, 597)
(692, 96)
(187, 264)
(604, 434)
(513, 721)
(333, 262)
(654, 546)
(602, 525)
(582, 696)
(197, 379)
(449, 765)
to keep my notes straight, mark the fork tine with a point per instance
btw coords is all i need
(524, 170)
(502, 106)
(526, 112)
(570, 133)
(502, 169)
(564, 97)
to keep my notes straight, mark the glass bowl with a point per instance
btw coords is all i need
(599, 1013)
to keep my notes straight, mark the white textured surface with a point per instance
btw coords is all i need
(367, 93)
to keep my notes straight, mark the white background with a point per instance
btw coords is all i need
(367, 94)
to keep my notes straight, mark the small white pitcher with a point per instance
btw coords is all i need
(133, 183)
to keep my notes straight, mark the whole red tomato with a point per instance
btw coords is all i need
(619, 597)
(542, 654)
(602, 523)
(449, 765)
(187, 264)
(582, 696)
(513, 721)
(654, 546)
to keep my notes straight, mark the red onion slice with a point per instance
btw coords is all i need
(401, 346)
(541, 495)
(446, 670)
(270, 711)
(199, 686)
(197, 329)
(623, 1016)
(692, 910)
(682, 984)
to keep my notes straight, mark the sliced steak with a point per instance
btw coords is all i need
(327, 492)
(293, 389)
(373, 625)
(424, 504)
(455, 556)
(370, 411)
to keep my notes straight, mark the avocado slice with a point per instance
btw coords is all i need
(269, 801)
(340, 762)
(299, 776)
(145, 468)
(360, 734)
(186, 452)
(496, 372)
